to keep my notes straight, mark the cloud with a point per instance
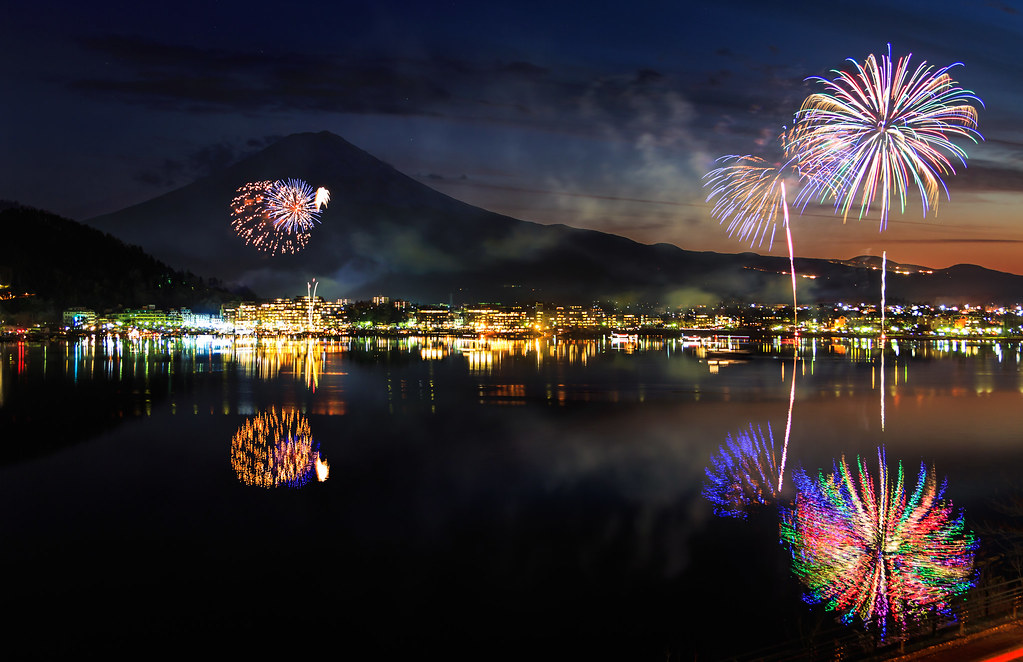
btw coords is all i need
(525, 69)
(404, 251)
(571, 194)
(201, 162)
(645, 126)
(983, 176)
(690, 297)
(645, 107)
(167, 174)
(351, 277)
(961, 240)
(1001, 6)
(522, 243)
(164, 76)
(637, 133)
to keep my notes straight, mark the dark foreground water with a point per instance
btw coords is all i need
(491, 500)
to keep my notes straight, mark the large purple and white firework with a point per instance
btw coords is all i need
(875, 131)
(880, 128)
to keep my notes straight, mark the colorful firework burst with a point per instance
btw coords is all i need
(292, 205)
(276, 449)
(876, 130)
(743, 473)
(870, 551)
(749, 193)
(277, 216)
(882, 128)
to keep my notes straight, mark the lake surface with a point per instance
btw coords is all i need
(492, 499)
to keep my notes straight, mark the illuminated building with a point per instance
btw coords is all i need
(627, 321)
(148, 318)
(496, 319)
(578, 317)
(434, 319)
(301, 314)
(74, 317)
(199, 321)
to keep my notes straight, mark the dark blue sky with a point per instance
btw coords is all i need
(599, 115)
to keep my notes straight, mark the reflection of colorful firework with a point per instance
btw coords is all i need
(743, 473)
(872, 552)
(276, 450)
(276, 217)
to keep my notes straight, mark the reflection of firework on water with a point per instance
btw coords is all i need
(870, 551)
(276, 450)
(743, 473)
(276, 217)
(322, 469)
(882, 128)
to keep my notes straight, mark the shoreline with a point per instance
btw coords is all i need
(611, 335)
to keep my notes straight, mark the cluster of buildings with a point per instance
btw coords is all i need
(148, 318)
(304, 315)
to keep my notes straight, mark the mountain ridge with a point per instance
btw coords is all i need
(385, 233)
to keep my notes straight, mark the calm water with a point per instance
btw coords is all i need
(491, 500)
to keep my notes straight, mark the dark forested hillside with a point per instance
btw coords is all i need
(63, 263)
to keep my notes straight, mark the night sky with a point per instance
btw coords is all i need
(596, 115)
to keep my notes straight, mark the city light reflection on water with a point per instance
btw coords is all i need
(316, 364)
(906, 380)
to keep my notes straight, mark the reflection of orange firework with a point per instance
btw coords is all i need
(275, 450)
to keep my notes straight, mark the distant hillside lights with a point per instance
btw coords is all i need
(5, 285)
